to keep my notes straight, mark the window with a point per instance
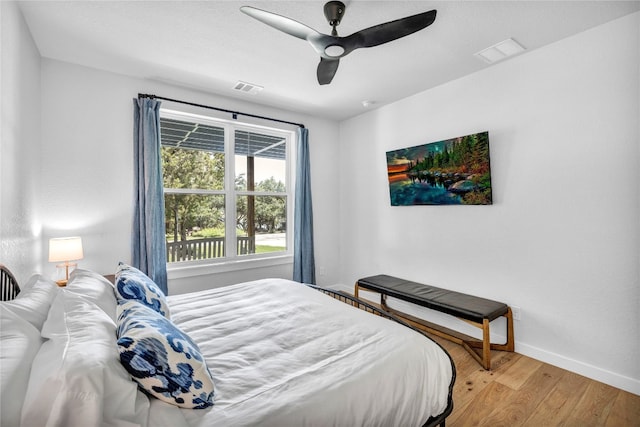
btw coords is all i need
(227, 190)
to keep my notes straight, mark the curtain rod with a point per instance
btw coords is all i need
(234, 114)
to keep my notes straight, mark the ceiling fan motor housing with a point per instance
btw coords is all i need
(334, 11)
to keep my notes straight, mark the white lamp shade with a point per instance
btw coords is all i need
(65, 249)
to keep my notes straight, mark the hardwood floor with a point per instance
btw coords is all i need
(520, 391)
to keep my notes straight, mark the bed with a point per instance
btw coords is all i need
(270, 353)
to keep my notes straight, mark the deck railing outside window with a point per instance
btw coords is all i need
(207, 248)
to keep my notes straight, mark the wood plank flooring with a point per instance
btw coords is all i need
(520, 391)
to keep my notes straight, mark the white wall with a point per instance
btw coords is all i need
(562, 239)
(87, 169)
(20, 247)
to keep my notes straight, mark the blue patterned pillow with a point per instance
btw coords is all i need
(161, 358)
(132, 283)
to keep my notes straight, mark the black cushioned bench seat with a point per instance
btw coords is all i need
(475, 310)
(454, 303)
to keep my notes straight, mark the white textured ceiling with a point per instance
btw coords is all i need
(210, 45)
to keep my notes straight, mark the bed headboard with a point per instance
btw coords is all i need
(9, 288)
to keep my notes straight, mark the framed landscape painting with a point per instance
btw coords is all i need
(451, 172)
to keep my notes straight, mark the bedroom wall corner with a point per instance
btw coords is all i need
(20, 142)
(562, 239)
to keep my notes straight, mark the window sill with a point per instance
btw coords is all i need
(182, 270)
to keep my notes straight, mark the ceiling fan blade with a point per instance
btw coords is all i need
(389, 31)
(282, 23)
(326, 70)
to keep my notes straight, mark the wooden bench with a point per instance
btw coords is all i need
(474, 310)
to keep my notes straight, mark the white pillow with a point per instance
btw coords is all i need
(34, 300)
(77, 378)
(95, 288)
(19, 343)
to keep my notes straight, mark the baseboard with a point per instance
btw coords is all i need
(590, 371)
(613, 379)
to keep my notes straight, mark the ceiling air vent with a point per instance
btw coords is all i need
(500, 51)
(248, 88)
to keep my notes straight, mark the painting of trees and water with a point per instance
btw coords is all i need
(451, 172)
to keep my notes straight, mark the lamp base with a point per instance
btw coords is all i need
(62, 272)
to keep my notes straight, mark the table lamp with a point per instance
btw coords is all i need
(65, 250)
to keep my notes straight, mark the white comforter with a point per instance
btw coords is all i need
(283, 354)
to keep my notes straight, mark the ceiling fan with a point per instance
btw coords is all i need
(333, 47)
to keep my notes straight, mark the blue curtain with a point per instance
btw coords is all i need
(304, 270)
(148, 244)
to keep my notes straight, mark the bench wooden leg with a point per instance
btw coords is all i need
(486, 346)
(383, 297)
(510, 344)
(383, 302)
